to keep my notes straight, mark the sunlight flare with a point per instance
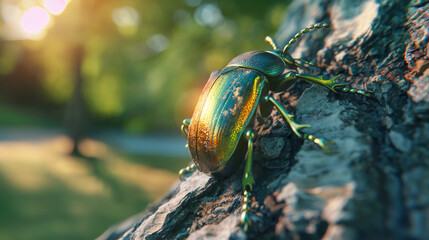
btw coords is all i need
(35, 20)
(55, 7)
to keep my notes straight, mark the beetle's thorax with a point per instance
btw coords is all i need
(268, 63)
(277, 53)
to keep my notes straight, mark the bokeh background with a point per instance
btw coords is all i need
(92, 96)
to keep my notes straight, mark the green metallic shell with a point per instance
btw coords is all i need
(266, 62)
(222, 114)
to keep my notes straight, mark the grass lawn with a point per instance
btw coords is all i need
(47, 194)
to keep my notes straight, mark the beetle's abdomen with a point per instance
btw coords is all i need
(221, 116)
(263, 61)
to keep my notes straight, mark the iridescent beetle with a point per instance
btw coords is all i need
(218, 135)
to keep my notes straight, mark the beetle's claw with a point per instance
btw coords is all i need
(182, 173)
(245, 221)
(365, 93)
(323, 143)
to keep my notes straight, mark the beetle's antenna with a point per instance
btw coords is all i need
(305, 30)
(271, 41)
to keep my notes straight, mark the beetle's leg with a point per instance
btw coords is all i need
(286, 80)
(280, 82)
(184, 128)
(291, 77)
(296, 127)
(302, 66)
(247, 182)
(304, 61)
(355, 91)
(187, 170)
(331, 85)
(328, 83)
(289, 117)
(192, 166)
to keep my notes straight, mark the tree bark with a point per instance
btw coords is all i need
(374, 184)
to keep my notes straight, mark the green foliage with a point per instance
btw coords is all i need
(12, 117)
(144, 62)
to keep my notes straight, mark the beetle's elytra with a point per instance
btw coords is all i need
(218, 134)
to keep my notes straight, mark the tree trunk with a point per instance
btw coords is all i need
(75, 114)
(374, 184)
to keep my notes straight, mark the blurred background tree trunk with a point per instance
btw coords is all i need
(75, 115)
(375, 183)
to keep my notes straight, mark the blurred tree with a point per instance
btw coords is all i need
(72, 33)
(75, 115)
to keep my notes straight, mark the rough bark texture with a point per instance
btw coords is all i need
(375, 183)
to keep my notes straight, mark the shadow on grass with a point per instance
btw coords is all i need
(118, 189)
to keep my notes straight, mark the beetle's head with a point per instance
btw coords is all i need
(283, 54)
(290, 62)
(287, 58)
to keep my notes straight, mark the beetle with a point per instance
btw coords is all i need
(218, 136)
